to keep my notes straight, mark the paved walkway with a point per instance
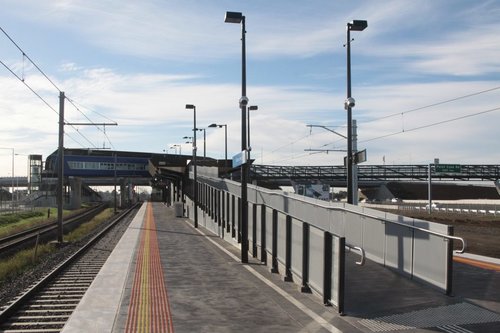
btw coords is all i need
(167, 276)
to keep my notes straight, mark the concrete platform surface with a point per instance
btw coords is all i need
(209, 290)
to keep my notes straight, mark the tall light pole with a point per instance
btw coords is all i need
(204, 140)
(192, 107)
(236, 17)
(225, 139)
(356, 25)
(250, 108)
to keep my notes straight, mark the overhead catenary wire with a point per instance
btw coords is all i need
(410, 111)
(433, 104)
(22, 79)
(432, 124)
(46, 103)
(27, 57)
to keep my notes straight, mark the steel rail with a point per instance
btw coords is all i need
(21, 300)
(12, 241)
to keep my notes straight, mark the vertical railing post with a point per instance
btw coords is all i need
(223, 212)
(274, 254)
(288, 249)
(305, 259)
(228, 212)
(233, 220)
(263, 250)
(239, 220)
(449, 254)
(327, 269)
(254, 230)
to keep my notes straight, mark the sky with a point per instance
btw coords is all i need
(425, 77)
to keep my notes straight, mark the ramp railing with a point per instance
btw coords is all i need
(304, 239)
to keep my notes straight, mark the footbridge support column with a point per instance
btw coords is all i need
(123, 193)
(75, 192)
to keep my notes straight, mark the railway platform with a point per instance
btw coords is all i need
(166, 276)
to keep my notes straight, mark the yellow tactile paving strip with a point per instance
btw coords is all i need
(149, 310)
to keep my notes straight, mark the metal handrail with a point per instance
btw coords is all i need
(344, 209)
(361, 253)
(464, 243)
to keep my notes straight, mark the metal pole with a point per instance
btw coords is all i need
(225, 145)
(349, 121)
(429, 189)
(244, 166)
(60, 170)
(204, 142)
(355, 166)
(195, 171)
(248, 134)
(115, 182)
(12, 196)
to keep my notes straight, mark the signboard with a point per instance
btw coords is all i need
(447, 168)
(239, 159)
(313, 190)
(357, 158)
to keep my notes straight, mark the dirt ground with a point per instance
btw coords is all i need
(482, 233)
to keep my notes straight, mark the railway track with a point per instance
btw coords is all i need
(47, 305)
(29, 237)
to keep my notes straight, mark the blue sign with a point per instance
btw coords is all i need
(239, 159)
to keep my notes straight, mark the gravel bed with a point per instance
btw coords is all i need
(10, 290)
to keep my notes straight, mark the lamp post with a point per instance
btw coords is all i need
(192, 107)
(250, 108)
(225, 139)
(356, 25)
(174, 147)
(204, 140)
(236, 17)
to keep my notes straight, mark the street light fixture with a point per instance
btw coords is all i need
(204, 140)
(192, 107)
(225, 140)
(175, 148)
(236, 17)
(356, 25)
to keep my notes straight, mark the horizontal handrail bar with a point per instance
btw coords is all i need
(344, 209)
(361, 253)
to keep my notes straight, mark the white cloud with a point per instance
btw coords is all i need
(150, 107)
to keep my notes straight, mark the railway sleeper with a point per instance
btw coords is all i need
(21, 317)
(46, 311)
(65, 285)
(69, 306)
(56, 300)
(57, 293)
(54, 324)
(44, 330)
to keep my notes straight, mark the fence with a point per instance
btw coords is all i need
(304, 239)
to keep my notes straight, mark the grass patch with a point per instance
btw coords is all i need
(88, 227)
(16, 217)
(26, 222)
(12, 267)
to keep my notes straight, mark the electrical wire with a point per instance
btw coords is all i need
(27, 85)
(433, 104)
(44, 101)
(432, 124)
(91, 122)
(27, 57)
(22, 79)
